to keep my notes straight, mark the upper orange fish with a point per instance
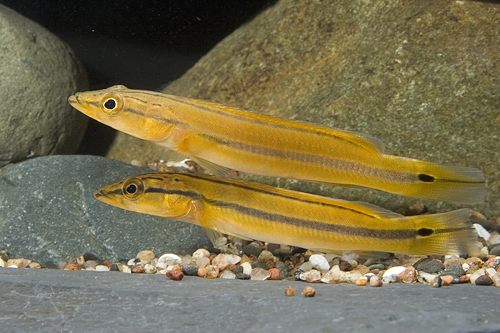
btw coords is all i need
(220, 138)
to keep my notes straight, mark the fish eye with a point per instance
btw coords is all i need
(132, 188)
(111, 103)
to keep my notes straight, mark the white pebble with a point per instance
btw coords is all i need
(170, 259)
(227, 274)
(149, 269)
(224, 260)
(311, 276)
(2, 263)
(483, 233)
(394, 271)
(259, 274)
(352, 276)
(466, 267)
(202, 261)
(247, 268)
(426, 278)
(102, 268)
(332, 276)
(201, 253)
(319, 262)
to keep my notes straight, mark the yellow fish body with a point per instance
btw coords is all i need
(221, 138)
(255, 211)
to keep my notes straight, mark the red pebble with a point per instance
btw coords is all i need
(72, 267)
(139, 268)
(175, 275)
(107, 263)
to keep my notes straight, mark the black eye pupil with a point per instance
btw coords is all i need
(110, 104)
(131, 189)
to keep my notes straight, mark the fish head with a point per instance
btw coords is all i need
(131, 111)
(153, 193)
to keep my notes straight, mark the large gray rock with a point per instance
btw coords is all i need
(421, 75)
(48, 212)
(37, 74)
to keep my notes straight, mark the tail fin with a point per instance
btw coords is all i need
(457, 184)
(446, 233)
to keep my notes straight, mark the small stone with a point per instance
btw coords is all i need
(169, 259)
(90, 256)
(484, 280)
(90, 264)
(228, 275)
(133, 262)
(319, 262)
(464, 279)
(453, 260)
(496, 279)
(495, 250)
(80, 260)
(409, 275)
(332, 276)
(243, 276)
(238, 269)
(353, 263)
(224, 260)
(309, 292)
(202, 271)
(202, 261)
(266, 256)
(102, 268)
(362, 281)
(456, 268)
(251, 249)
(352, 276)
(482, 232)
(272, 248)
(380, 267)
(145, 256)
(281, 252)
(259, 274)
(190, 270)
(124, 268)
(72, 267)
(212, 272)
(345, 266)
(114, 268)
(19, 263)
(307, 266)
(139, 268)
(33, 265)
(289, 291)
(362, 269)
(275, 274)
(376, 281)
(416, 209)
(175, 275)
(149, 269)
(428, 265)
(270, 264)
(477, 274)
(247, 268)
(201, 253)
(437, 282)
(446, 280)
(311, 276)
(2, 262)
(425, 278)
(107, 263)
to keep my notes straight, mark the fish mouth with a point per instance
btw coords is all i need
(103, 197)
(74, 99)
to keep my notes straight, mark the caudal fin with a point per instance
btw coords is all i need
(456, 184)
(445, 233)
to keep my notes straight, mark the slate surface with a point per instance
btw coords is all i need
(48, 212)
(69, 301)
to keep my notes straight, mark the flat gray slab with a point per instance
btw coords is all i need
(68, 301)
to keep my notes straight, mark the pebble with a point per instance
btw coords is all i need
(251, 249)
(345, 266)
(484, 280)
(289, 291)
(259, 274)
(2, 262)
(190, 270)
(114, 268)
(242, 276)
(102, 268)
(145, 256)
(472, 264)
(376, 281)
(175, 275)
(307, 266)
(496, 279)
(464, 279)
(319, 262)
(266, 256)
(437, 282)
(139, 268)
(19, 263)
(132, 262)
(228, 275)
(201, 253)
(168, 259)
(332, 276)
(429, 265)
(425, 278)
(409, 275)
(446, 280)
(380, 267)
(90, 264)
(34, 265)
(362, 281)
(225, 260)
(482, 232)
(351, 277)
(247, 268)
(312, 275)
(72, 267)
(390, 275)
(275, 274)
(202, 271)
(456, 268)
(495, 250)
(309, 292)
(212, 272)
(353, 263)
(149, 269)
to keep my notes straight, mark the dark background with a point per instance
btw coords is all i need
(144, 43)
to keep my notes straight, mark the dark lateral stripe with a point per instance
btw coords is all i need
(190, 194)
(250, 188)
(320, 226)
(248, 119)
(167, 120)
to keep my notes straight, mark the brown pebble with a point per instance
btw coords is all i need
(202, 271)
(139, 268)
(275, 274)
(107, 263)
(34, 265)
(376, 281)
(145, 256)
(345, 266)
(290, 291)
(19, 263)
(409, 275)
(177, 268)
(232, 267)
(212, 256)
(446, 280)
(484, 280)
(72, 267)
(175, 275)
(212, 272)
(270, 264)
(464, 279)
(361, 281)
(375, 271)
(309, 292)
